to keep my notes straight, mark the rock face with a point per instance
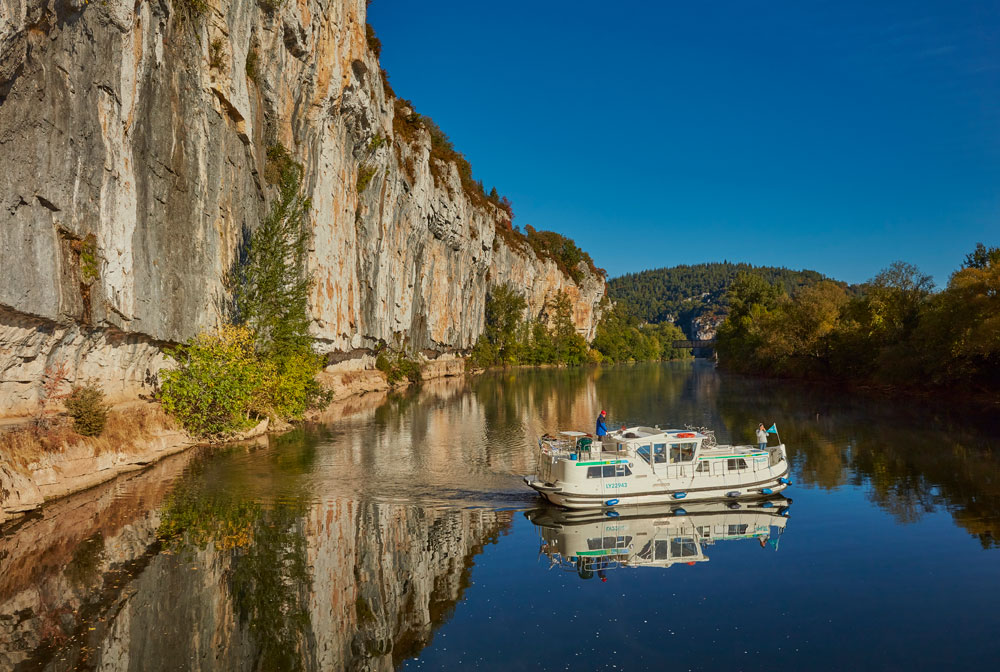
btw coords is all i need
(134, 144)
(705, 327)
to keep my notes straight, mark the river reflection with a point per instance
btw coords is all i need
(386, 537)
(592, 543)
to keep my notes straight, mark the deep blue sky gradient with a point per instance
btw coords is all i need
(838, 136)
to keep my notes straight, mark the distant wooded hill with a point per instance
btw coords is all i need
(681, 293)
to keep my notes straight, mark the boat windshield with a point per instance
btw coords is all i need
(668, 549)
(658, 451)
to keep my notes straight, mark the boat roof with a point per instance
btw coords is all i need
(640, 432)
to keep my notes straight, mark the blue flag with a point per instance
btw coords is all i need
(773, 429)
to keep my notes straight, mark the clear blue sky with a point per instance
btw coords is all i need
(837, 136)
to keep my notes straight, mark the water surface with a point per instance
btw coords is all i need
(399, 537)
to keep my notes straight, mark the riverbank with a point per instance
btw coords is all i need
(141, 434)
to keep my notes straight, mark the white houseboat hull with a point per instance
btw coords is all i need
(666, 495)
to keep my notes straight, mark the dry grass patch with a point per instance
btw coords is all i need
(125, 429)
(130, 426)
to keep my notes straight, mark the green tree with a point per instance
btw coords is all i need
(797, 336)
(960, 328)
(620, 338)
(982, 257)
(570, 347)
(611, 336)
(741, 336)
(220, 386)
(269, 281)
(503, 315)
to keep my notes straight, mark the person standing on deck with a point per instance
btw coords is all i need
(761, 437)
(602, 427)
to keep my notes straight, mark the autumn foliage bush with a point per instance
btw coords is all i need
(86, 405)
(217, 384)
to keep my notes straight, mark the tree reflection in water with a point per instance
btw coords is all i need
(915, 456)
(264, 543)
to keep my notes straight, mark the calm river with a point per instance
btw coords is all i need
(400, 535)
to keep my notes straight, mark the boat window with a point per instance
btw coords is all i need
(599, 543)
(704, 467)
(616, 470)
(682, 452)
(609, 471)
(660, 452)
(683, 547)
(737, 529)
(643, 452)
(738, 463)
(661, 549)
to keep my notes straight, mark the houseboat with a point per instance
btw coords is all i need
(649, 465)
(591, 542)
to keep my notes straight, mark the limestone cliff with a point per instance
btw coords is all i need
(134, 142)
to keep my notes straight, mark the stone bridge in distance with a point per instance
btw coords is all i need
(695, 344)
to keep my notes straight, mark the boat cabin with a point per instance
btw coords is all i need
(643, 465)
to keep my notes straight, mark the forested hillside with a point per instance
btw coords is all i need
(893, 330)
(681, 293)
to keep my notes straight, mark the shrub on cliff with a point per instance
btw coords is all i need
(218, 384)
(396, 366)
(85, 404)
(223, 385)
(290, 387)
(563, 251)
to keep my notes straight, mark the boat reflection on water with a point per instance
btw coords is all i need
(593, 541)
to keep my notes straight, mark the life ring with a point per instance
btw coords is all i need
(686, 435)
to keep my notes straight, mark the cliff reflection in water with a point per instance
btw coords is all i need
(241, 569)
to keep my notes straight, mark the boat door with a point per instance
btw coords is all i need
(682, 458)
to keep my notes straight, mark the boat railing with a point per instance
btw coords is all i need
(564, 447)
(557, 447)
(727, 449)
